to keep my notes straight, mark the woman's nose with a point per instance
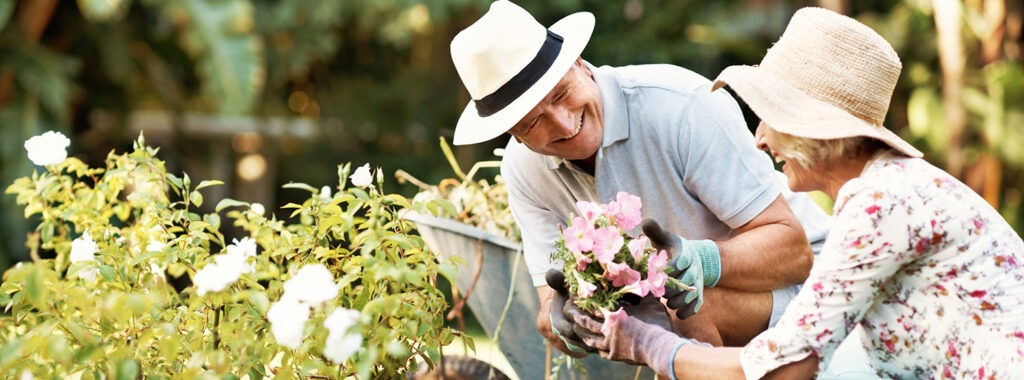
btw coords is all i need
(759, 139)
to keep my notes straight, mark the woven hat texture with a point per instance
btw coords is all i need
(828, 77)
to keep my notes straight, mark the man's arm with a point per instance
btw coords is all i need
(544, 294)
(767, 253)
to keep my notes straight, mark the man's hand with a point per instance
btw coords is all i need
(561, 313)
(634, 340)
(697, 263)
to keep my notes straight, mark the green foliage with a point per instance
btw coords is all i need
(221, 36)
(131, 321)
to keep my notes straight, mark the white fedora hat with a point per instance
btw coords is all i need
(509, 62)
(828, 77)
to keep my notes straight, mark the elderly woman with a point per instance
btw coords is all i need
(931, 272)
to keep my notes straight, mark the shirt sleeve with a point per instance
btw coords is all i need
(538, 225)
(868, 243)
(722, 166)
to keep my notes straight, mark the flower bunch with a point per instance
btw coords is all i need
(604, 262)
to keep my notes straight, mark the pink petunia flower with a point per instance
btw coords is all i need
(655, 283)
(590, 211)
(637, 246)
(607, 243)
(612, 318)
(628, 215)
(640, 288)
(621, 274)
(584, 289)
(579, 236)
(656, 277)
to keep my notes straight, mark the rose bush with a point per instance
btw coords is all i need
(343, 288)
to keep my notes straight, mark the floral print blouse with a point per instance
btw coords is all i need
(933, 274)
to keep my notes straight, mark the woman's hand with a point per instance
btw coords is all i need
(622, 336)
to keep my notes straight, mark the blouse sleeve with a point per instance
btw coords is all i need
(869, 241)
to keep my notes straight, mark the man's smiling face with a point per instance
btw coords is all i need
(567, 123)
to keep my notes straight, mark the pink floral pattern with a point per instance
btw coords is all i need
(925, 265)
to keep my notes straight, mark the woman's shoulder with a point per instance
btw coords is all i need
(889, 175)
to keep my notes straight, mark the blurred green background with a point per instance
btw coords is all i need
(260, 93)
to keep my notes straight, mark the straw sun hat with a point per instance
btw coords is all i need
(827, 77)
(509, 62)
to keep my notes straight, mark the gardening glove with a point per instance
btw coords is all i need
(561, 323)
(649, 310)
(697, 265)
(633, 340)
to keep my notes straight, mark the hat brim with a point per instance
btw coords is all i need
(789, 110)
(472, 128)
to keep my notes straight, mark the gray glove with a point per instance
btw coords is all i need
(641, 339)
(697, 262)
(562, 310)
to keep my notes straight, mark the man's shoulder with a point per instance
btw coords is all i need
(518, 160)
(664, 76)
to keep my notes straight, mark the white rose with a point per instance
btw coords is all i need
(325, 194)
(155, 246)
(50, 148)
(246, 247)
(257, 208)
(288, 321)
(84, 249)
(212, 278)
(313, 284)
(341, 344)
(224, 271)
(362, 176)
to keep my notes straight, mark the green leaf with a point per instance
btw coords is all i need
(229, 51)
(176, 183)
(228, 202)
(127, 370)
(145, 256)
(209, 183)
(6, 9)
(196, 198)
(300, 186)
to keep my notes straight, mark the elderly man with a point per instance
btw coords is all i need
(581, 132)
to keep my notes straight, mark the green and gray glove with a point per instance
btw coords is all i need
(698, 265)
(562, 311)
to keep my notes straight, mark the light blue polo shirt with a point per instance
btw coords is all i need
(684, 150)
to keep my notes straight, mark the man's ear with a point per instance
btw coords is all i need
(580, 65)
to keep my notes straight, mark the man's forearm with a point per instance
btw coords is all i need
(766, 258)
(770, 252)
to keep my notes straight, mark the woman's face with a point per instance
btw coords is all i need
(799, 178)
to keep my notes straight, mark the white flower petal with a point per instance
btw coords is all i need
(246, 247)
(50, 148)
(313, 284)
(83, 248)
(341, 343)
(214, 277)
(288, 321)
(362, 177)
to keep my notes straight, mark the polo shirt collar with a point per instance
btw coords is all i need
(615, 115)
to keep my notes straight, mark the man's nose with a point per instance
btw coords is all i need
(564, 122)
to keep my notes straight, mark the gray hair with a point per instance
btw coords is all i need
(807, 151)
